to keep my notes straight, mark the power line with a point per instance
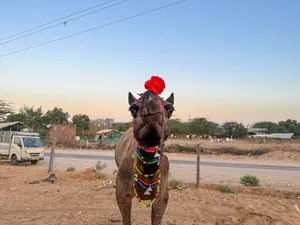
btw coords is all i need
(63, 23)
(95, 28)
(73, 14)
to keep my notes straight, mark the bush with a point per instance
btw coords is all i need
(250, 180)
(100, 175)
(98, 168)
(71, 169)
(174, 184)
(224, 189)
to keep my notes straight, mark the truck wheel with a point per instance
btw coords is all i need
(14, 160)
(33, 162)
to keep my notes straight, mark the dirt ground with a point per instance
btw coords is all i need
(275, 150)
(79, 198)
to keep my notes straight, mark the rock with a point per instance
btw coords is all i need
(115, 220)
(297, 208)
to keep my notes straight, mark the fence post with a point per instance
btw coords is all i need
(52, 155)
(198, 167)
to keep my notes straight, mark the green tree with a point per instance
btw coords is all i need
(235, 129)
(5, 110)
(82, 122)
(202, 126)
(291, 126)
(56, 116)
(178, 127)
(123, 127)
(288, 126)
(30, 116)
(271, 126)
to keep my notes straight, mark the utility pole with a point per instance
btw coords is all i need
(51, 163)
(198, 167)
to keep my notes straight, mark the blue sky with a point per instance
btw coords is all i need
(224, 60)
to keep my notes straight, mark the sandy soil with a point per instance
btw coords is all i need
(80, 198)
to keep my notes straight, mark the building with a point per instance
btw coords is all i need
(103, 122)
(263, 133)
(63, 133)
(257, 131)
(12, 126)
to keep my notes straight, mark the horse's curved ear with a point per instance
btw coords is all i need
(131, 98)
(171, 99)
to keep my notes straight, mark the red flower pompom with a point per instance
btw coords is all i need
(155, 84)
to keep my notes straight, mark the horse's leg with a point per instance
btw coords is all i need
(159, 207)
(124, 202)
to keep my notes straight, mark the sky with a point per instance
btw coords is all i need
(226, 60)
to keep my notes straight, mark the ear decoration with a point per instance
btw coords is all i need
(156, 84)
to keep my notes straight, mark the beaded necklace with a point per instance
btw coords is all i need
(137, 179)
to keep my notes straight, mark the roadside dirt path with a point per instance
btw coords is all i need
(79, 198)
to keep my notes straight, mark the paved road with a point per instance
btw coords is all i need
(183, 162)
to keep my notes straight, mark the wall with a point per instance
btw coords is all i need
(63, 132)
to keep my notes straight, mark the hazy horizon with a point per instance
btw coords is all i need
(230, 61)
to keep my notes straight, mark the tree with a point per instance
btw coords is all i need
(178, 127)
(56, 116)
(5, 110)
(82, 122)
(288, 126)
(28, 115)
(291, 126)
(123, 127)
(202, 126)
(32, 117)
(271, 126)
(235, 129)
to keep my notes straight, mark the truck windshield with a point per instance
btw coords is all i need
(32, 142)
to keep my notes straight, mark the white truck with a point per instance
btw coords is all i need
(21, 147)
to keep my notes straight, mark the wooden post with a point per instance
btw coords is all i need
(51, 163)
(198, 167)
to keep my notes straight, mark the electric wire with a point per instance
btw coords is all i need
(73, 14)
(95, 28)
(62, 23)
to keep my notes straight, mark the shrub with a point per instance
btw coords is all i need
(250, 180)
(71, 169)
(100, 175)
(98, 168)
(224, 189)
(174, 184)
